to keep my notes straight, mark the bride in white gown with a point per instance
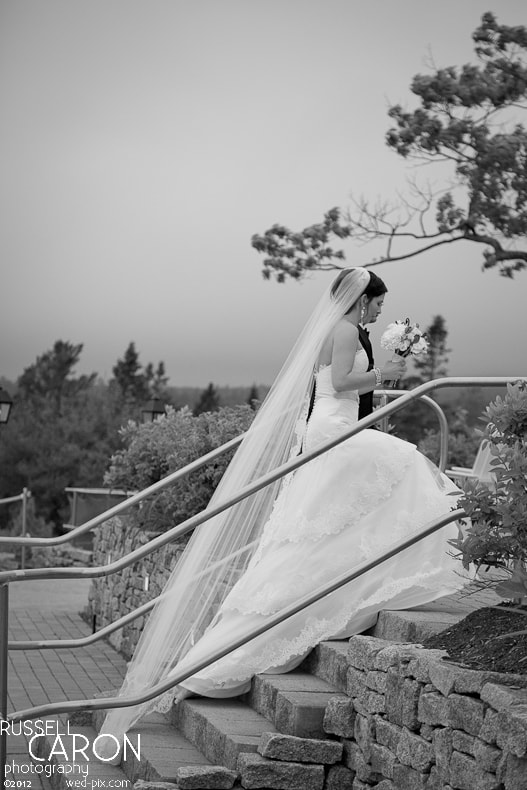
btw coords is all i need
(342, 508)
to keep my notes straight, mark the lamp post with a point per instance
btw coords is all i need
(6, 402)
(153, 409)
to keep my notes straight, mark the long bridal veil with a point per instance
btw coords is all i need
(221, 548)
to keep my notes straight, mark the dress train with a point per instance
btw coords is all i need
(341, 509)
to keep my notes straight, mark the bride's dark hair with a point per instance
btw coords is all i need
(375, 287)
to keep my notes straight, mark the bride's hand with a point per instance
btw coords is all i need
(393, 369)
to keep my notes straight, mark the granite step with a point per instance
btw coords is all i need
(294, 702)
(329, 661)
(412, 625)
(163, 749)
(72, 763)
(220, 729)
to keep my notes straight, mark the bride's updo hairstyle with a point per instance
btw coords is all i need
(375, 287)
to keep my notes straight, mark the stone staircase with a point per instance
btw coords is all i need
(214, 743)
(272, 737)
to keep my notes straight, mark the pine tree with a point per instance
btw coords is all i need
(209, 400)
(50, 380)
(433, 365)
(253, 397)
(130, 378)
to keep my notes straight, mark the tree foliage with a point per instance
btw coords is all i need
(64, 427)
(253, 398)
(433, 364)
(466, 117)
(59, 434)
(50, 379)
(130, 378)
(209, 400)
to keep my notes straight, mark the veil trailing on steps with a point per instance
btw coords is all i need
(220, 549)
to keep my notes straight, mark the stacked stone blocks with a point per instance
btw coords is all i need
(113, 596)
(414, 721)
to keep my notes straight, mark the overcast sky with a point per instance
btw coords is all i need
(143, 142)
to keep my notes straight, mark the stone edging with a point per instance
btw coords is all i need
(417, 722)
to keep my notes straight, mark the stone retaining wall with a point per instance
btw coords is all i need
(111, 597)
(62, 556)
(414, 721)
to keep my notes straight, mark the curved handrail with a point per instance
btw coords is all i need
(205, 515)
(119, 702)
(102, 633)
(144, 608)
(251, 488)
(443, 424)
(17, 498)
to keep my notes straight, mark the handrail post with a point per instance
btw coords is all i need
(4, 663)
(24, 527)
(74, 509)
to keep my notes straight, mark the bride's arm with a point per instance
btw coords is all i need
(345, 345)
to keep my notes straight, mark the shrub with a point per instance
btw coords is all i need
(497, 532)
(154, 450)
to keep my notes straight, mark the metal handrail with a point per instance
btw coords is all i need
(107, 493)
(246, 491)
(284, 614)
(443, 423)
(62, 644)
(24, 498)
(404, 397)
(17, 498)
(143, 609)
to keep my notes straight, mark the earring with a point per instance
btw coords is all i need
(362, 314)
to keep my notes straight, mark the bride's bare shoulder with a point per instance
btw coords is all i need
(344, 335)
(345, 329)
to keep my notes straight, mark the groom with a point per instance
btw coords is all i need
(366, 400)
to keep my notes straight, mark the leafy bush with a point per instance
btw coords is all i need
(154, 450)
(497, 532)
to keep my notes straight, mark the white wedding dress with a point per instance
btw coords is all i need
(346, 506)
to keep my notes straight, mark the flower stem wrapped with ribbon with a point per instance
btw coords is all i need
(405, 339)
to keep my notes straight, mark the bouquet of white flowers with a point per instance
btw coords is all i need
(404, 338)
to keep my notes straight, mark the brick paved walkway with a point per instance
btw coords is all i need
(51, 610)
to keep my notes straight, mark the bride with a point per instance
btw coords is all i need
(346, 506)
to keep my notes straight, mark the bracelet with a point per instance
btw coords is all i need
(378, 376)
